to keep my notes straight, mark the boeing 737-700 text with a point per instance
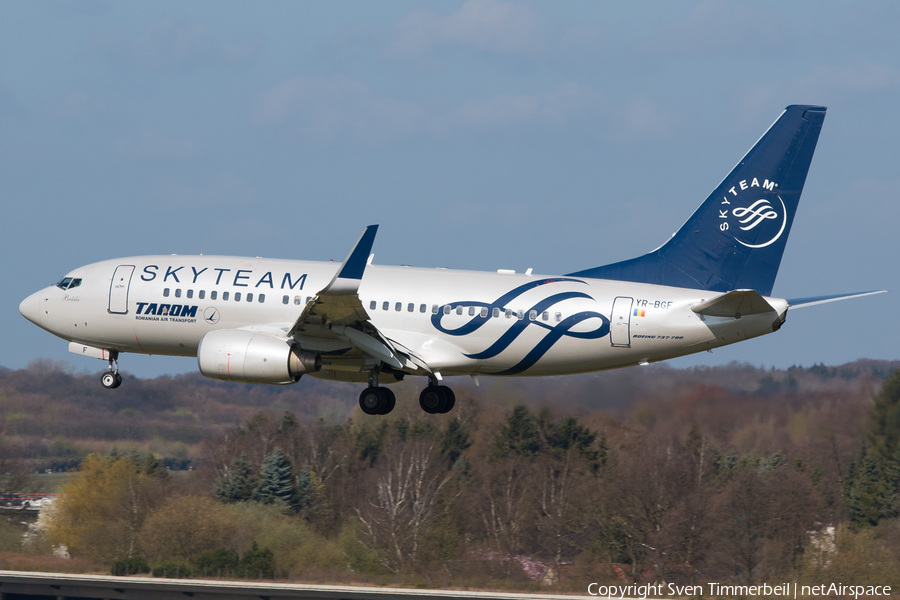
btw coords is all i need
(271, 321)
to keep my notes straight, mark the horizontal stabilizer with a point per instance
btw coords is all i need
(734, 304)
(814, 300)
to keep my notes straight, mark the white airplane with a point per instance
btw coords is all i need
(272, 321)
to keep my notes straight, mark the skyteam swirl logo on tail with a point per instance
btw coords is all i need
(555, 331)
(758, 214)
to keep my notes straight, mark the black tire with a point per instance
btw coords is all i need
(372, 401)
(391, 400)
(431, 399)
(451, 399)
(109, 381)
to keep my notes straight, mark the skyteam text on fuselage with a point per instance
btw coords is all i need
(272, 321)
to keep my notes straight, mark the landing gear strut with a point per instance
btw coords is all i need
(437, 399)
(111, 379)
(376, 400)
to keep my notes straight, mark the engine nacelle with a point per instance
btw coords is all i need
(253, 357)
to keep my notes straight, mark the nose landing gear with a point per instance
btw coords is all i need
(111, 379)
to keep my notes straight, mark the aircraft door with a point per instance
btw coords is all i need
(118, 289)
(620, 324)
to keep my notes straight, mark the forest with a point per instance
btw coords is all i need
(646, 475)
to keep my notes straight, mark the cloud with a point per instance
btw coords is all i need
(153, 144)
(224, 191)
(555, 107)
(506, 27)
(856, 79)
(166, 43)
(722, 26)
(333, 107)
(328, 107)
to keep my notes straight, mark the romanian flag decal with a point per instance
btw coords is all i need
(640, 312)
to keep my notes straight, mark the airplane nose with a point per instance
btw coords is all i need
(31, 308)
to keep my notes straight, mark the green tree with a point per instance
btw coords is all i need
(238, 482)
(276, 482)
(518, 436)
(312, 499)
(257, 562)
(455, 441)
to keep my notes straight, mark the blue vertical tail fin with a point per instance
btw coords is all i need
(736, 238)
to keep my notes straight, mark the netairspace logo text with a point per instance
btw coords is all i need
(715, 589)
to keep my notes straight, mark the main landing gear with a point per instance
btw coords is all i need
(111, 379)
(376, 400)
(437, 399)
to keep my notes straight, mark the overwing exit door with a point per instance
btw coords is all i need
(620, 324)
(118, 289)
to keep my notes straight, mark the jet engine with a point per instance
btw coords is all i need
(253, 357)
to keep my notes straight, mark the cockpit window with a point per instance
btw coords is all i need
(75, 283)
(65, 282)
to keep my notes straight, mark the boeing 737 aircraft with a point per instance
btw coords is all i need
(272, 321)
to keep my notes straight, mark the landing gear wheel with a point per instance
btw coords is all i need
(110, 380)
(391, 400)
(437, 399)
(377, 401)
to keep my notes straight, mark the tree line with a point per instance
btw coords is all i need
(794, 478)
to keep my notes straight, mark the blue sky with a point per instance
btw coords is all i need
(482, 134)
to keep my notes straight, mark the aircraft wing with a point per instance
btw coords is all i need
(814, 300)
(337, 312)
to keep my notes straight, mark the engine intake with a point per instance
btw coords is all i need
(253, 357)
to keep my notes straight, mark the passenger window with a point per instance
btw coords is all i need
(285, 299)
(398, 306)
(446, 309)
(520, 314)
(178, 293)
(386, 306)
(308, 298)
(496, 313)
(532, 315)
(471, 311)
(422, 308)
(190, 293)
(410, 307)
(545, 316)
(249, 297)
(213, 294)
(166, 293)
(297, 300)
(262, 298)
(434, 309)
(508, 313)
(202, 294)
(558, 317)
(459, 310)
(484, 312)
(237, 296)
(224, 295)
(372, 305)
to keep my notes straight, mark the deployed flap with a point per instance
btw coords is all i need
(734, 304)
(337, 312)
(814, 300)
(339, 303)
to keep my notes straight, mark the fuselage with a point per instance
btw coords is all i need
(459, 322)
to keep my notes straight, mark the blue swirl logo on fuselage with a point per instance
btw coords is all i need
(555, 331)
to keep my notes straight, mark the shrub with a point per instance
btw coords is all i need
(172, 569)
(133, 565)
(223, 560)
